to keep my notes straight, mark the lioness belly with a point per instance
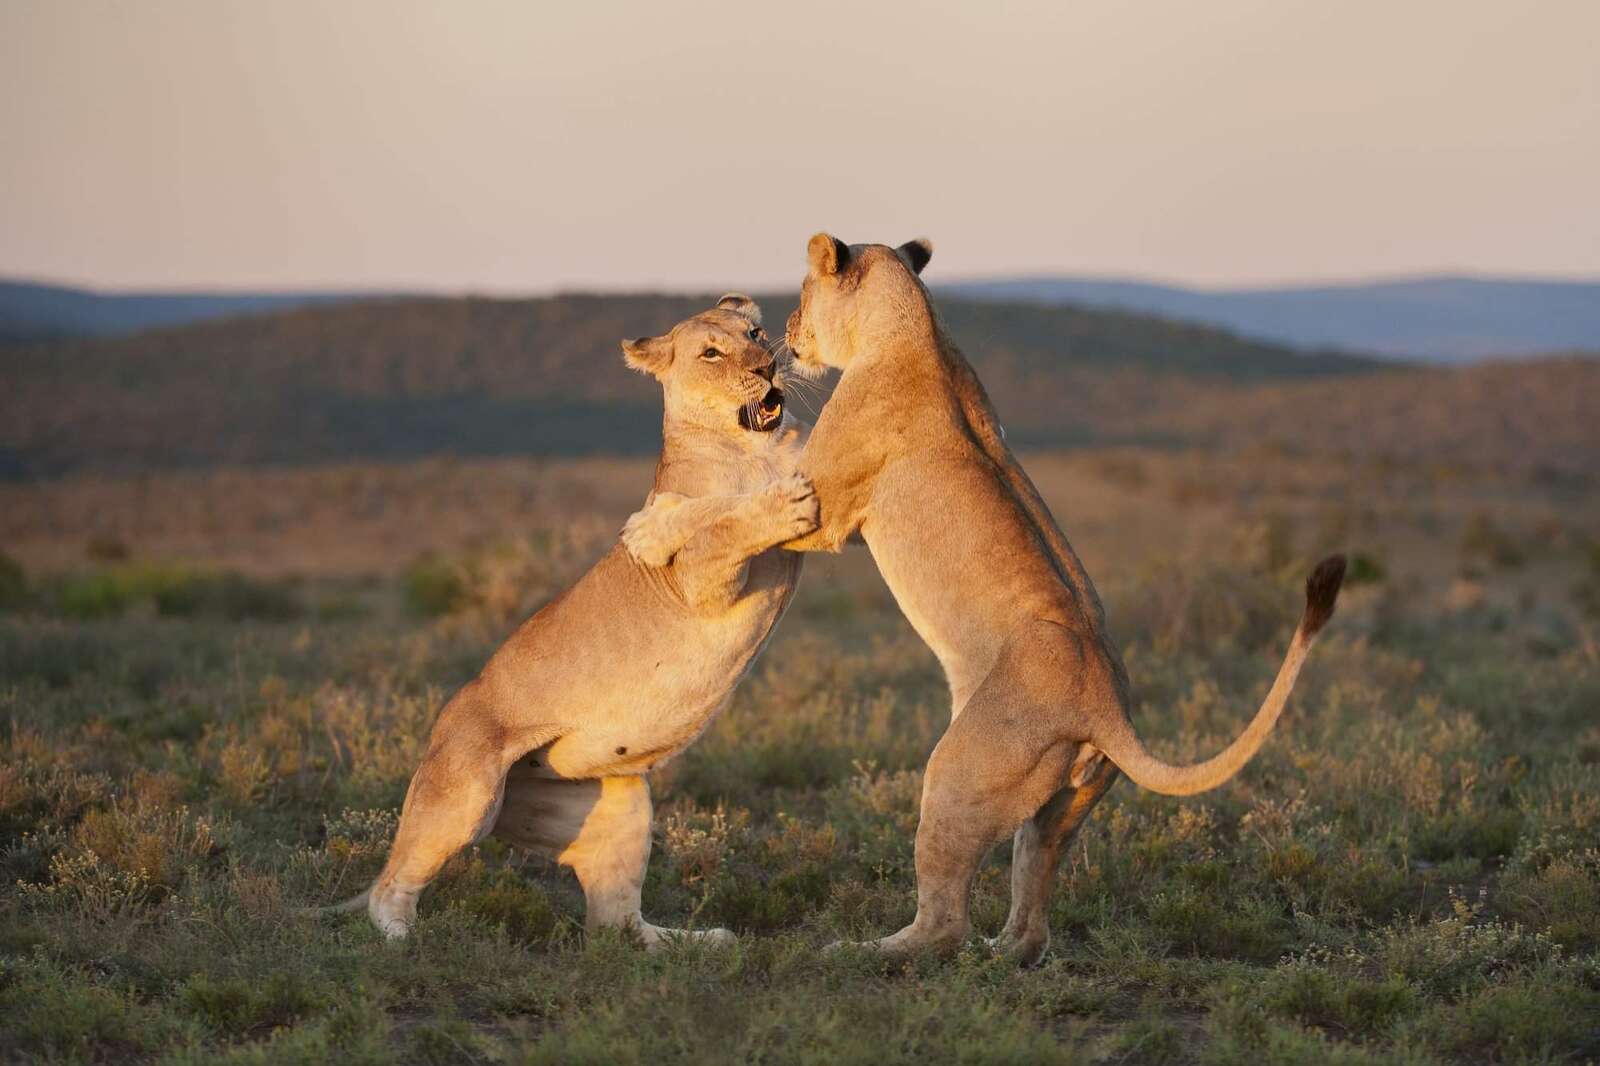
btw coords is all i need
(642, 687)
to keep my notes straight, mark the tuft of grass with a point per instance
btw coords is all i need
(434, 587)
(1365, 569)
(523, 910)
(14, 591)
(238, 1007)
(1485, 540)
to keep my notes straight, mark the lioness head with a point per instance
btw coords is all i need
(716, 369)
(825, 329)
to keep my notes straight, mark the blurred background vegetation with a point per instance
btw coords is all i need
(243, 561)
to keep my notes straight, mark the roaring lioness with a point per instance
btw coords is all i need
(547, 748)
(909, 454)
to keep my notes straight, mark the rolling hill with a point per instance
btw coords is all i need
(1444, 319)
(1438, 319)
(404, 378)
(407, 377)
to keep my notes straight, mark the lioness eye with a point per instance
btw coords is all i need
(755, 333)
(711, 355)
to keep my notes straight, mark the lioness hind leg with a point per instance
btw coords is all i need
(599, 828)
(993, 769)
(453, 800)
(1035, 855)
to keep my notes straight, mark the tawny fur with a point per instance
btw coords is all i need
(909, 455)
(547, 748)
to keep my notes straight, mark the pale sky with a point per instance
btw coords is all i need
(534, 145)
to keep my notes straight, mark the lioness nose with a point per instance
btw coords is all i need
(766, 371)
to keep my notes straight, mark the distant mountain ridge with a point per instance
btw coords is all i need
(33, 311)
(1444, 319)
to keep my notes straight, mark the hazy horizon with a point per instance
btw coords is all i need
(635, 290)
(503, 149)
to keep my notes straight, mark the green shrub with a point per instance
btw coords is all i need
(1563, 897)
(434, 587)
(524, 910)
(63, 1016)
(1365, 570)
(171, 591)
(13, 583)
(93, 596)
(1316, 995)
(1469, 834)
(1528, 1020)
(1200, 923)
(227, 595)
(241, 1006)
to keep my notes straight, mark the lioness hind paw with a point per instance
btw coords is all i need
(1026, 953)
(655, 937)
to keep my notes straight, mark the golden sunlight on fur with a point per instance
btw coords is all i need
(908, 454)
(548, 746)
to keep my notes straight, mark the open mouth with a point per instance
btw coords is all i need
(764, 415)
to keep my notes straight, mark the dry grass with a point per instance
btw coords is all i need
(1407, 873)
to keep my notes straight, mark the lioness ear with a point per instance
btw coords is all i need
(827, 254)
(917, 253)
(740, 304)
(648, 355)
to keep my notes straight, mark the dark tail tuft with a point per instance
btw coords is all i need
(1322, 591)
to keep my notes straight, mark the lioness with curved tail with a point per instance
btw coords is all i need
(908, 454)
(547, 748)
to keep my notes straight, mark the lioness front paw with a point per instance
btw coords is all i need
(796, 503)
(652, 536)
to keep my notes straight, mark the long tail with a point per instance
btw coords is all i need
(354, 903)
(1145, 770)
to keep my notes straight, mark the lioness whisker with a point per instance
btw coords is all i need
(806, 402)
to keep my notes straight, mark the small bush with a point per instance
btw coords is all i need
(1365, 570)
(93, 596)
(231, 596)
(1314, 994)
(171, 591)
(106, 549)
(1200, 923)
(1469, 834)
(13, 583)
(1563, 897)
(434, 587)
(1198, 609)
(1524, 1021)
(240, 1006)
(522, 909)
(58, 1016)
(1484, 540)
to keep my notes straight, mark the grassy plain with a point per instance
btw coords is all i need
(214, 687)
